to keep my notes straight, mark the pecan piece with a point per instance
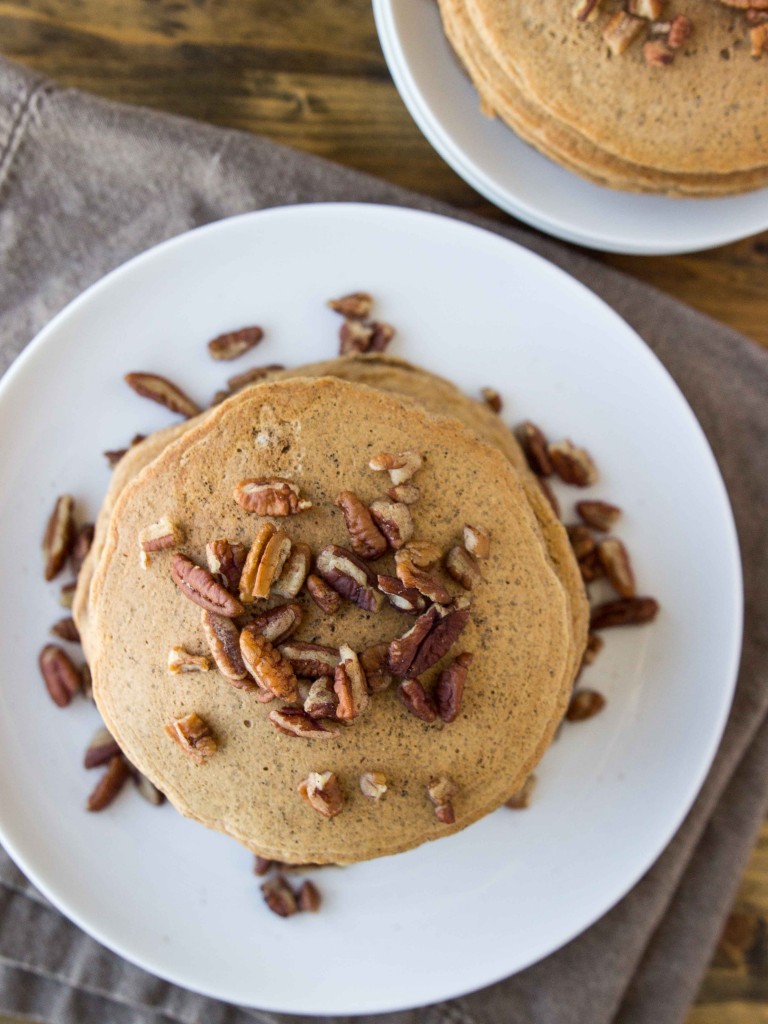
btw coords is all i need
(415, 699)
(582, 541)
(573, 465)
(325, 597)
(621, 31)
(432, 636)
(462, 567)
(321, 699)
(614, 558)
(423, 553)
(147, 790)
(651, 9)
(600, 515)
(401, 466)
(405, 599)
(322, 792)
(59, 536)
(67, 595)
(374, 662)
(161, 390)
(350, 685)
(253, 559)
(356, 306)
(199, 586)
(262, 865)
(382, 335)
(271, 670)
(114, 456)
(450, 687)
(477, 541)
(292, 578)
(235, 343)
(408, 494)
(275, 555)
(297, 723)
(273, 497)
(310, 661)
(355, 336)
(110, 784)
(657, 54)
(758, 40)
(66, 629)
(492, 399)
(411, 576)
(86, 682)
(441, 791)
(680, 31)
(61, 678)
(309, 897)
(223, 638)
(158, 537)
(252, 376)
(101, 749)
(81, 546)
(373, 785)
(279, 622)
(535, 448)
(226, 561)
(366, 540)
(595, 644)
(181, 661)
(585, 10)
(194, 736)
(584, 704)
(394, 520)
(521, 800)
(349, 576)
(591, 567)
(279, 896)
(627, 611)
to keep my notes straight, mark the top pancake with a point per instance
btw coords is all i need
(520, 630)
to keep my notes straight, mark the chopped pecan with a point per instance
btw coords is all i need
(680, 31)
(621, 31)
(584, 704)
(114, 456)
(309, 897)
(162, 391)
(81, 546)
(223, 638)
(350, 685)
(585, 10)
(356, 306)
(194, 736)
(590, 566)
(273, 497)
(450, 687)
(291, 579)
(199, 586)
(262, 866)
(101, 749)
(253, 376)
(226, 561)
(758, 40)
(61, 678)
(279, 622)
(463, 567)
(271, 669)
(66, 629)
(67, 595)
(394, 520)
(355, 336)
(366, 540)
(582, 541)
(408, 494)
(598, 514)
(423, 553)
(615, 560)
(373, 785)
(651, 9)
(158, 537)
(297, 723)
(492, 399)
(322, 792)
(109, 785)
(411, 576)
(86, 682)
(310, 661)
(219, 397)
(535, 448)
(382, 335)
(573, 465)
(279, 896)
(441, 791)
(374, 662)
(321, 699)
(595, 644)
(521, 800)
(349, 576)
(415, 699)
(253, 559)
(477, 541)
(235, 343)
(401, 466)
(59, 536)
(657, 53)
(180, 660)
(432, 636)
(275, 555)
(147, 790)
(627, 611)
(405, 599)
(325, 597)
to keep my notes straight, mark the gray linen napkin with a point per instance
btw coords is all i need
(84, 184)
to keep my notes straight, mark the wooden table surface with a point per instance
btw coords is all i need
(310, 73)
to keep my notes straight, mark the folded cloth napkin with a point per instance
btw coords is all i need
(84, 184)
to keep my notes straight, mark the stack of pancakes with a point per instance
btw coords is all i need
(686, 121)
(318, 426)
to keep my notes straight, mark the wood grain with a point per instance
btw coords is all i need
(310, 73)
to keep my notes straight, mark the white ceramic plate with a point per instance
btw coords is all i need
(514, 176)
(453, 915)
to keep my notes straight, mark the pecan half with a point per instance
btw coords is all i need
(600, 515)
(226, 560)
(521, 800)
(614, 558)
(252, 376)
(401, 466)
(394, 520)
(59, 536)
(627, 611)
(415, 699)
(279, 622)
(373, 785)
(355, 336)
(349, 576)
(621, 31)
(223, 638)
(432, 636)
(297, 723)
(492, 399)
(194, 736)
(450, 687)
(274, 497)
(582, 541)
(375, 664)
(325, 597)
(271, 670)
(147, 790)
(573, 465)
(405, 599)
(292, 578)
(321, 699)
(235, 343)
(82, 546)
(591, 567)
(110, 784)
(66, 629)
(356, 306)
(262, 865)
(423, 553)
(350, 685)
(279, 896)
(411, 576)
(161, 390)
(584, 704)
(275, 555)
(366, 540)
(309, 897)
(180, 660)
(253, 559)
(310, 661)
(61, 678)
(477, 541)
(101, 749)
(441, 791)
(199, 586)
(322, 792)
(408, 494)
(158, 537)
(535, 447)
(462, 567)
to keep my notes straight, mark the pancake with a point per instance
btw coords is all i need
(520, 631)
